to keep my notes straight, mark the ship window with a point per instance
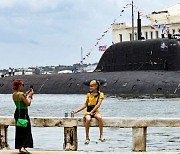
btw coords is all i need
(146, 34)
(157, 34)
(178, 30)
(120, 36)
(130, 36)
(159, 89)
(136, 36)
(173, 31)
(151, 35)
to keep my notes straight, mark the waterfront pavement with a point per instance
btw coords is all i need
(85, 152)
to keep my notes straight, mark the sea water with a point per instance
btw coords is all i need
(117, 139)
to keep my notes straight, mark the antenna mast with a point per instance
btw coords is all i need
(81, 54)
(132, 20)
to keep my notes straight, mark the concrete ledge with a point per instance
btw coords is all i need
(84, 152)
(108, 122)
(138, 125)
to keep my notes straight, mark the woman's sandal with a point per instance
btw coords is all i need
(24, 152)
(87, 141)
(102, 139)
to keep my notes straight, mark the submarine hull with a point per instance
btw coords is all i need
(143, 67)
(116, 83)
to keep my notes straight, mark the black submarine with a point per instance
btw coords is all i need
(131, 68)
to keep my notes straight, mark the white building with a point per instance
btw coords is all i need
(90, 68)
(64, 71)
(170, 17)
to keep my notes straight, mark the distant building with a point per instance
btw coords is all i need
(90, 68)
(64, 71)
(168, 18)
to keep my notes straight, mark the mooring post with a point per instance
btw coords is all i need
(70, 134)
(139, 139)
(3, 137)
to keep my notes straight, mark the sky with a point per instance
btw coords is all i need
(52, 32)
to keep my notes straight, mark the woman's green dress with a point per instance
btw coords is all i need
(23, 135)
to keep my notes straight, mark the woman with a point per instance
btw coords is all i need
(23, 136)
(93, 101)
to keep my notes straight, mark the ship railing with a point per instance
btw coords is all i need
(139, 128)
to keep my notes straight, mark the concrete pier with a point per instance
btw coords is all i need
(85, 152)
(139, 130)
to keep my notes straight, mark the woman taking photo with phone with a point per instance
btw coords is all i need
(23, 135)
(93, 101)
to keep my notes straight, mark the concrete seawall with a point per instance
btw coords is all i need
(84, 152)
(119, 83)
(139, 128)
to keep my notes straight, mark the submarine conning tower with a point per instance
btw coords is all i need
(152, 54)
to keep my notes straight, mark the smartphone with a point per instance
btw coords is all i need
(31, 88)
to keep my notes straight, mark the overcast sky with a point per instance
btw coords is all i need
(52, 32)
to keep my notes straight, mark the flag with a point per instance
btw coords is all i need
(102, 48)
(152, 27)
(164, 28)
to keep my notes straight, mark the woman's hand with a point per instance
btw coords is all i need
(74, 112)
(31, 93)
(26, 92)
